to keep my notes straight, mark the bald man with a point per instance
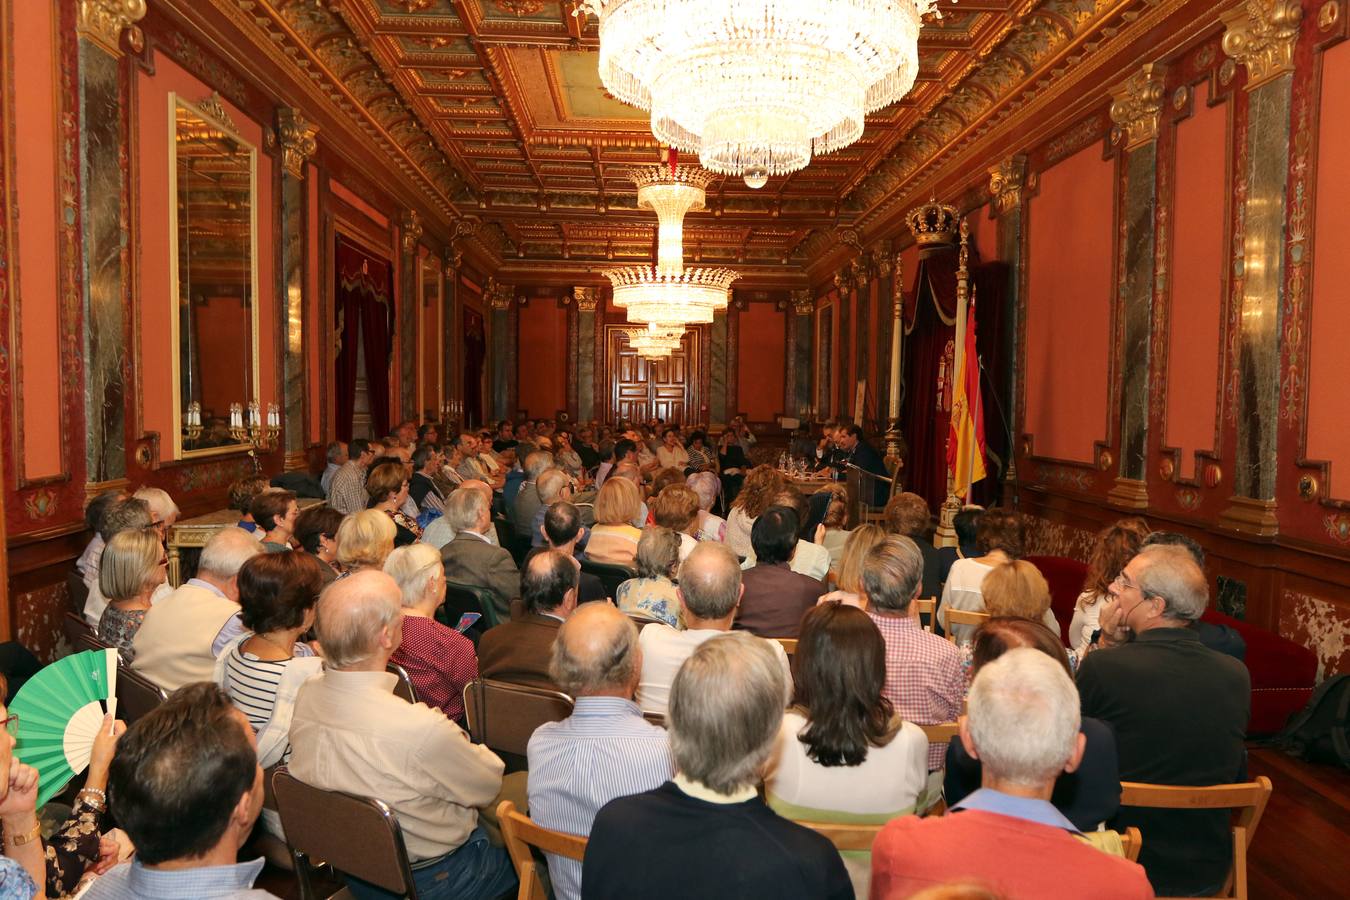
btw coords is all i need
(350, 733)
(595, 659)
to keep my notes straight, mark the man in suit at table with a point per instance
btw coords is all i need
(470, 558)
(858, 452)
(519, 651)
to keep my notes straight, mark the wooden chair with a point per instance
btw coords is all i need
(136, 695)
(956, 617)
(847, 837)
(789, 646)
(77, 591)
(503, 716)
(655, 718)
(642, 620)
(1132, 841)
(522, 837)
(74, 627)
(1246, 801)
(611, 575)
(357, 836)
(941, 733)
(90, 641)
(404, 686)
(927, 606)
(465, 598)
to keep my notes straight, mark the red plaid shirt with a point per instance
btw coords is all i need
(440, 661)
(925, 677)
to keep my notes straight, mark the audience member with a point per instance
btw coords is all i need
(676, 507)
(23, 870)
(1000, 536)
(567, 457)
(132, 568)
(709, 592)
(809, 559)
(351, 733)
(563, 531)
(726, 707)
(439, 533)
(707, 487)
(1023, 725)
(186, 786)
(596, 660)
(163, 511)
(1018, 588)
(439, 660)
(925, 674)
(347, 489)
(422, 488)
(275, 512)
(242, 494)
(757, 494)
(614, 539)
(775, 596)
(702, 458)
(671, 454)
(337, 458)
(965, 523)
(1087, 796)
(836, 534)
(471, 558)
(527, 500)
(316, 531)
(180, 638)
(1179, 711)
(1115, 545)
(553, 485)
(652, 593)
(519, 650)
(87, 564)
(364, 541)
(843, 753)
(849, 576)
(1214, 635)
(387, 487)
(732, 464)
(127, 515)
(908, 514)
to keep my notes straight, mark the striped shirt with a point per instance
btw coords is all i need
(605, 749)
(252, 683)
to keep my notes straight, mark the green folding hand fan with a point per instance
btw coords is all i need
(60, 711)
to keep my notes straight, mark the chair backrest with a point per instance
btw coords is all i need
(1132, 841)
(404, 686)
(655, 718)
(74, 626)
(641, 620)
(520, 835)
(1247, 802)
(136, 695)
(463, 598)
(927, 606)
(847, 837)
(611, 575)
(503, 715)
(358, 836)
(89, 640)
(942, 733)
(962, 617)
(77, 590)
(789, 645)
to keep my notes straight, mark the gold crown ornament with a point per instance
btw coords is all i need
(933, 223)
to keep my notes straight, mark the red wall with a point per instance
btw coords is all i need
(762, 362)
(542, 355)
(1068, 309)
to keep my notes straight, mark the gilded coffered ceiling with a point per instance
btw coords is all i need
(498, 106)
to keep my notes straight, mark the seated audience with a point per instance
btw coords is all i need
(843, 753)
(676, 507)
(726, 707)
(87, 564)
(965, 523)
(707, 487)
(1019, 589)
(1116, 544)
(242, 494)
(709, 592)
(337, 458)
(597, 661)
(652, 593)
(908, 514)
(347, 489)
(439, 533)
(671, 454)
(732, 464)
(527, 500)
(567, 457)
(23, 870)
(316, 531)
(553, 485)
(163, 511)
(614, 538)
(1179, 711)
(811, 560)
(439, 660)
(364, 540)
(1023, 725)
(351, 733)
(664, 478)
(422, 487)
(474, 560)
(630, 472)
(836, 535)
(757, 494)
(275, 513)
(925, 674)
(519, 650)
(132, 568)
(126, 515)
(848, 577)
(1087, 796)
(181, 636)
(1000, 537)
(387, 487)
(563, 531)
(775, 596)
(702, 458)
(1215, 636)
(186, 787)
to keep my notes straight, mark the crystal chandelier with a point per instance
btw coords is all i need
(755, 87)
(690, 298)
(655, 340)
(670, 191)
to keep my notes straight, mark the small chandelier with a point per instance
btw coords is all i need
(755, 87)
(691, 298)
(670, 191)
(655, 339)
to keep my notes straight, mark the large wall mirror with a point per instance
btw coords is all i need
(213, 188)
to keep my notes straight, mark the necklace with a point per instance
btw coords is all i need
(288, 650)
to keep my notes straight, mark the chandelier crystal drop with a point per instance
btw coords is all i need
(758, 86)
(670, 192)
(691, 298)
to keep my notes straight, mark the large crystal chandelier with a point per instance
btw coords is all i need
(670, 191)
(755, 87)
(690, 298)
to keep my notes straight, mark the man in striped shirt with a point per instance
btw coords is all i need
(605, 749)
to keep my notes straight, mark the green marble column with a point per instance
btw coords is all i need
(802, 333)
(587, 298)
(296, 136)
(501, 353)
(717, 360)
(408, 303)
(1006, 181)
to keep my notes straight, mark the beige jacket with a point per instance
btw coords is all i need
(173, 645)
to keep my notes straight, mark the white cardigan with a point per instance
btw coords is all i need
(275, 736)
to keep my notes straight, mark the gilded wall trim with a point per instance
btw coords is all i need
(1136, 104)
(102, 21)
(1262, 36)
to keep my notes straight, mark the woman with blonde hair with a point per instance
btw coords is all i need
(1116, 545)
(677, 508)
(614, 539)
(132, 566)
(762, 485)
(1000, 537)
(849, 583)
(1018, 589)
(364, 541)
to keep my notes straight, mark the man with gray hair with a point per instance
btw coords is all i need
(128, 514)
(351, 733)
(1179, 710)
(439, 533)
(596, 660)
(1023, 725)
(710, 592)
(726, 707)
(337, 458)
(181, 636)
(552, 486)
(519, 650)
(527, 500)
(925, 674)
(471, 558)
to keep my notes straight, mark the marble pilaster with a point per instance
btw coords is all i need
(297, 145)
(717, 363)
(586, 298)
(824, 360)
(800, 327)
(1005, 187)
(408, 303)
(499, 298)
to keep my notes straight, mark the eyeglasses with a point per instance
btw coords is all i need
(1121, 581)
(12, 724)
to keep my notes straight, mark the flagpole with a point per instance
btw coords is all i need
(946, 530)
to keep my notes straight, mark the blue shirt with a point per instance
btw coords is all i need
(15, 882)
(1028, 808)
(605, 749)
(133, 881)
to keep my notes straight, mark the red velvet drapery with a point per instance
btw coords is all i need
(365, 312)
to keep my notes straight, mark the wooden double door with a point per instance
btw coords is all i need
(641, 389)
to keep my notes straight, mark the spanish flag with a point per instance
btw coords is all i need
(965, 439)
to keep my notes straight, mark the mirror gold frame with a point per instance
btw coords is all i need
(212, 111)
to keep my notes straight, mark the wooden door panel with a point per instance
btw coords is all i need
(641, 389)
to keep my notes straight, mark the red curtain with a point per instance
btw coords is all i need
(365, 312)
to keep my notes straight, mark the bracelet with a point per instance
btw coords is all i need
(89, 790)
(26, 837)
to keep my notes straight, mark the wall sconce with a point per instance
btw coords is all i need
(248, 427)
(192, 421)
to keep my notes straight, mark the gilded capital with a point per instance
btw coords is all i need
(803, 303)
(1137, 102)
(296, 134)
(1261, 36)
(499, 296)
(412, 230)
(587, 298)
(1006, 181)
(102, 21)
(882, 261)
